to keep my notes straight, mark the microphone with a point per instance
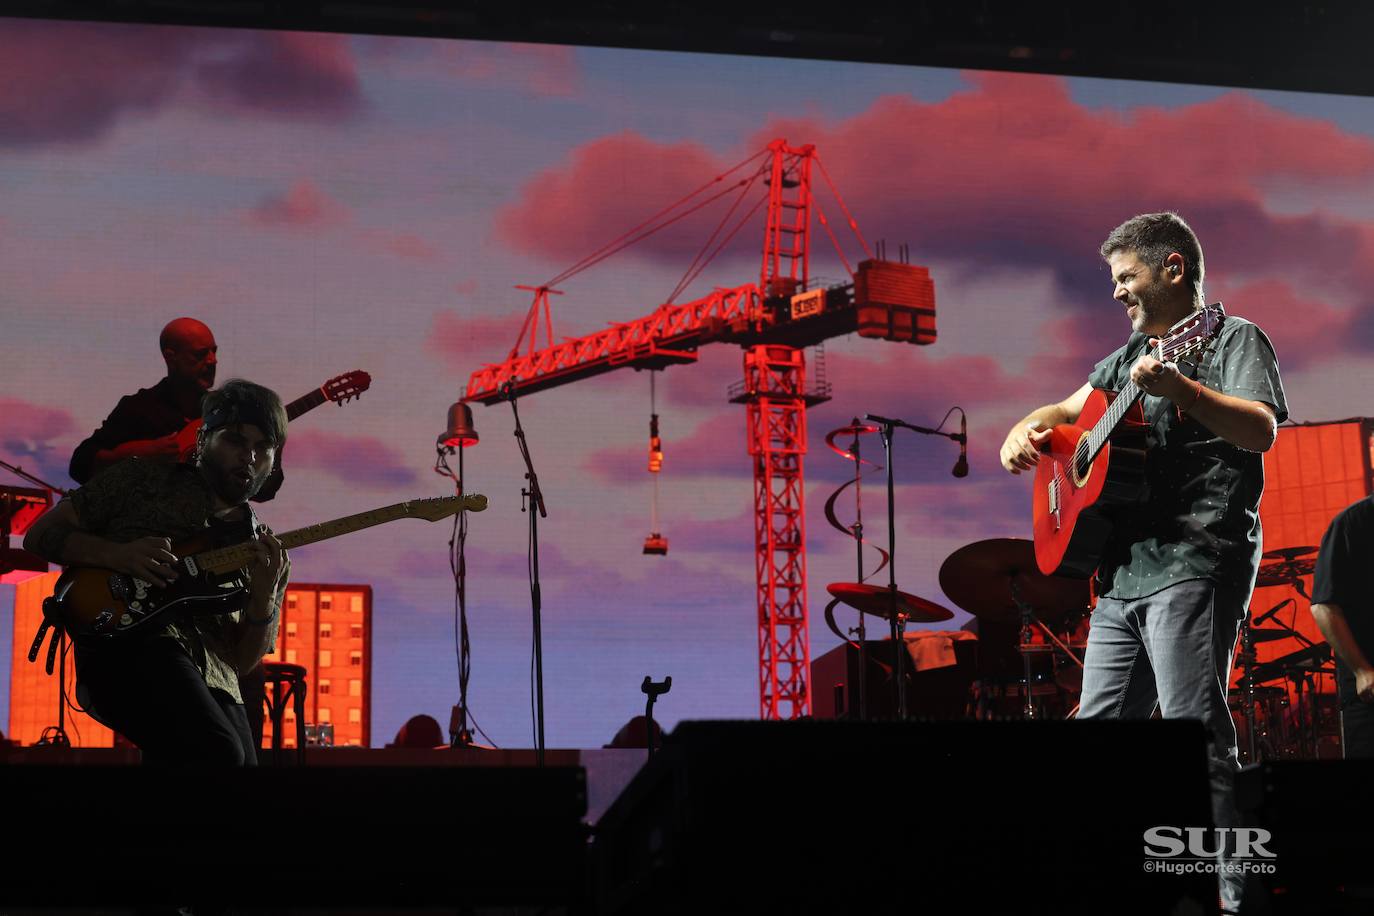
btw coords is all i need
(961, 466)
(1270, 613)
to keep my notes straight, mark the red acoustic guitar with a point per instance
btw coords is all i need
(1090, 470)
(340, 389)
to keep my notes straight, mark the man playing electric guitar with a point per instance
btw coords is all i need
(1177, 569)
(175, 693)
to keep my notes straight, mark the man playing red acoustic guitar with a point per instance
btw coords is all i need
(176, 693)
(1176, 575)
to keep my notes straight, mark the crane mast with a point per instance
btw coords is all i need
(773, 322)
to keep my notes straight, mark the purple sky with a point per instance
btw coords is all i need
(327, 203)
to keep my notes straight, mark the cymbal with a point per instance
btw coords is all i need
(877, 600)
(1284, 572)
(979, 578)
(1289, 553)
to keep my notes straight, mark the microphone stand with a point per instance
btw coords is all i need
(858, 529)
(535, 498)
(897, 624)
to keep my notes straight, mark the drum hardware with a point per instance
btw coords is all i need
(855, 429)
(999, 582)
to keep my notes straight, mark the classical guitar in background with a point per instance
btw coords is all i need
(340, 390)
(1093, 469)
(100, 605)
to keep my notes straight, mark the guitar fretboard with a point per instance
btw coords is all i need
(227, 559)
(302, 404)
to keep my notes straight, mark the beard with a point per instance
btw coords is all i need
(229, 485)
(1151, 304)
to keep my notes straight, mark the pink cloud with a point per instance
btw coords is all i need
(37, 438)
(364, 461)
(68, 82)
(1302, 328)
(71, 82)
(605, 188)
(466, 343)
(298, 74)
(302, 206)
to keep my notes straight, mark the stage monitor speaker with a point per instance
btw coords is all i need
(323, 837)
(1318, 813)
(937, 817)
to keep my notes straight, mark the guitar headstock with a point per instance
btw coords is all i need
(443, 506)
(345, 387)
(1193, 335)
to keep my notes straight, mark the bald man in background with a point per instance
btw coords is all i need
(146, 424)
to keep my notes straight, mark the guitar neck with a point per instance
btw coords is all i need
(1102, 430)
(302, 404)
(228, 559)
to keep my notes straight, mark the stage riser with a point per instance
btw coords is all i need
(987, 817)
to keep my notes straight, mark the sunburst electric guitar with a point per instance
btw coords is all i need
(98, 605)
(1091, 470)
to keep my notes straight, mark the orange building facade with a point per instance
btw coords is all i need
(325, 628)
(328, 630)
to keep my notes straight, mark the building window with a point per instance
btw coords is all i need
(326, 602)
(323, 686)
(355, 687)
(291, 628)
(355, 630)
(326, 658)
(355, 659)
(355, 604)
(323, 714)
(326, 630)
(290, 656)
(355, 715)
(291, 601)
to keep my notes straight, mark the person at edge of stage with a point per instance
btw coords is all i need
(145, 424)
(1343, 605)
(1177, 573)
(175, 693)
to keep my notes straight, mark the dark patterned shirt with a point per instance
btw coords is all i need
(1200, 519)
(137, 498)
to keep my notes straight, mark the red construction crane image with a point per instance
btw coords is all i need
(772, 320)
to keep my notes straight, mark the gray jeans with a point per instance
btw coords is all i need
(1172, 651)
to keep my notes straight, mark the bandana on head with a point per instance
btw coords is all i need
(233, 415)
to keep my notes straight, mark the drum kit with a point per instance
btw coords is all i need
(1032, 636)
(1032, 628)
